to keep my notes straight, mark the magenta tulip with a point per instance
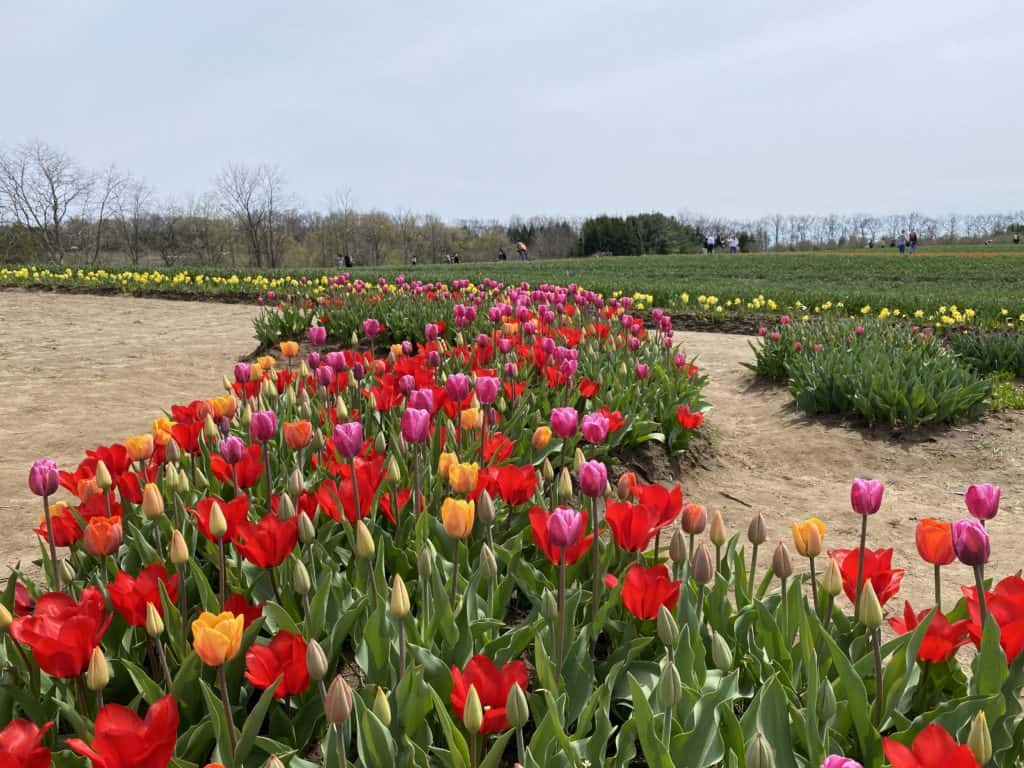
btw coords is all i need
(325, 376)
(970, 542)
(838, 761)
(642, 369)
(348, 438)
(982, 500)
(486, 389)
(564, 527)
(457, 387)
(422, 399)
(406, 384)
(263, 426)
(232, 449)
(43, 477)
(317, 335)
(431, 332)
(866, 496)
(242, 372)
(336, 360)
(595, 428)
(593, 478)
(564, 422)
(416, 425)
(371, 327)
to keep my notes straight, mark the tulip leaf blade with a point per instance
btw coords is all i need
(254, 721)
(144, 684)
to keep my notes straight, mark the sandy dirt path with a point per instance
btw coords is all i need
(789, 467)
(82, 371)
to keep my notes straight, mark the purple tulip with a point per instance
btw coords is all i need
(642, 369)
(348, 438)
(325, 376)
(242, 372)
(970, 541)
(564, 422)
(337, 361)
(416, 425)
(406, 384)
(313, 360)
(433, 359)
(457, 387)
(358, 371)
(595, 428)
(371, 327)
(263, 426)
(232, 449)
(564, 527)
(505, 345)
(317, 335)
(593, 478)
(866, 496)
(486, 389)
(407, 348)
(838, 761)
(423, 399)
(982, 500)
(431, 332)
(43, 477)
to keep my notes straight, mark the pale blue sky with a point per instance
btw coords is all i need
(481, 109)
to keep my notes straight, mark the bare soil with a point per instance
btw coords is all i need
(789, 467)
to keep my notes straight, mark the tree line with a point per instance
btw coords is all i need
(52, 209)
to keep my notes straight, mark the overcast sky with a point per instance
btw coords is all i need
(569, 107)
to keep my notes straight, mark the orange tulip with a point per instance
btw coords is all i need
(934, 540)
(457, 517)
(103, 536)
(223, 407)
(297, 434)
(139, 447)
(541, 438)
(266, 363)
(290, 348)
(162, 430)
(471, 419)
(217, 638)
(463, 477)
(445, 463)
(807, 536)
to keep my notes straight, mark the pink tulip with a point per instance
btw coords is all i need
(595, 428)
(406, 384)
(564, 527)
(866, 496)
(564, 422)
(242, 372)
(775, 336)
(313, 360)
(337, 361)
(983, 500)
(457, 387)
(970, 542)
(416, 425)
(486, 389)
(263, 426)
(838, 761)
(423, 399)
(431, 332)
(348, 438)
(232, 449)
(371, 327)
(593, 478)
(642, 369)
(43, 477)
(859, 330)
(325, 376)
(317, 335)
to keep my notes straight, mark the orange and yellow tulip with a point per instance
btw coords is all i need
(289, 348)
(541, 438)
(297, 434)
(808, 536)
(471, 419)
(217, 638)
(463, 477)
(457, 517)
(139, 447)
(162, 430)
(223, 407)
(265, 363)
(444, 464)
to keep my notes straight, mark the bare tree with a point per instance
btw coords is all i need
(107, 188)
(41, 187)
(240, 193)
(131, 208)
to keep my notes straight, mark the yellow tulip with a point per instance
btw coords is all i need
(217, 637)
(139, 447)
(457, 517)
(162, 430)
(541, 438)
(471, 419)
(808, 536)
(445, 463)
(463, 477)
(266, 362)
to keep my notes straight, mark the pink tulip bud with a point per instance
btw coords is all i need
(564, 527)
(859, 330)
(313, 360)
(866, 496)
(595, 428)
(406, 384)
(775, 336)
(593, 478)
(564, 422)
(325, 376)
(642, 369)
(983, 500)
(348, 438)
(232, 449)
(263, 426)
(970, 542)
(337, 361)
(416, 425)
(43, 477)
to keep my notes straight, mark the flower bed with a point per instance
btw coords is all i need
(414, 555)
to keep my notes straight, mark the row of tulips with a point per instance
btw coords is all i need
(417, 560)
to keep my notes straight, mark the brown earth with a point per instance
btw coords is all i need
(81, 371)
(789, 467)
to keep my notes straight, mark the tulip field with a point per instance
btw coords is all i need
(405, 534)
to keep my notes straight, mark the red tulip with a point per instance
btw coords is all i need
(284, 657)
(239, 606)
(667, 503)
(335, 497)
(62, 632)
(1005, 604)
(877, 568)
(24, 603)
(21, 745)
(942, 638)
(125, 740)
(66, 528)
(268, 542)
(516, 485)
(235, 512)
(647, 589)
(492, 686)
(688, 419)
(933, 748)
(131, 595)
(249, 468)
(588, 388)
(539, 529)
(934, 540)
(633, 525)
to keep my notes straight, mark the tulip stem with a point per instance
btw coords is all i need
(860, 565)
(455, 573)
(162, 657)
(266, 470)
(53, 548)
(560, 644)
(520, 746)
(32, 669)
(373, 582)
(753, 570)
(223, 571)
(355, 489)
(596, 588)
(938, 587)
(222, 679)
(979, 582)
(473, 748)
(401, 649)
(718, 557)
(876, 644)
(274, 586)
(814, 585)
(83, 705)
(666, 733)
(828, 612)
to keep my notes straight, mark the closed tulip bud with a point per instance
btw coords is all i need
(316, 660)
(979, 740)
(549, 606)
(296, 483)
(179, 549)
(338, 704)
(355, 339)
(201, 482)
(380, 444)
(623, 487)
(152, 501)
(97, 675)
(154, 622)
(717, 533)
(721, 653)
(381, 707)
(782, 566)
(218, 523)
(832, 581)
(307, 531)
(304, 410)
(364, 541)
(488, 565)
(826, 707)
(759, 753)
(273, 762)
(286, 508)
(226, 382)
(67, 571)
(103, 478)
(541, 438)
(341, 410)
(702, 567)
(182, 485)
(246, 418)
(677, 547)
(577, 460)
(485, 508)
(757, 531)
(5, 618)
(547, 471)
(870, 608)
(399, 598)
(172, 452)
(304, 370)
(268, 392)
(393, 472)
(668, 629)
(210, 431)
(670, 687)
(517, 709)
(564, 484)
(473, 713)
(300, 578)
(623, 370)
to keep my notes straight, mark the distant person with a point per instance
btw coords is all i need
(522, 251)
(734, 245)
(455, 258)
(1016, 238)
(348, 260)
(501, 255)
(912, 241)
(709, 244)
(901, 242)
(871, 243)
(415, 261)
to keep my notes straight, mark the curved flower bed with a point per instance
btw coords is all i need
(414, 555)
